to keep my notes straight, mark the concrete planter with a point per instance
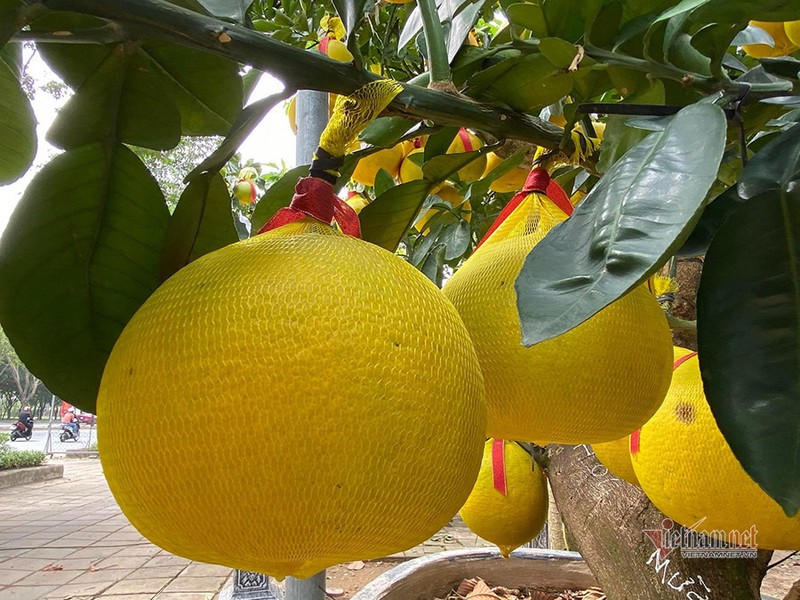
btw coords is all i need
(13, 477)
(436, 574)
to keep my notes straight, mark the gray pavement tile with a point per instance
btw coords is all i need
(78, 591)
(51, 553)
(94, 552)
(167, 560)
(152, 572)
(123, 562)
(9, 576)
(139, 550)
(138, 586)
(185, 596)
(49, 578)
(196, 584)
(27, 592)
(26, 563)
(107, 576)
(205, 570)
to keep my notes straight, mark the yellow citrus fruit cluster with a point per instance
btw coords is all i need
(512, 519)
(785, 35)
(688, 470)
(308, 421)
(579, 387)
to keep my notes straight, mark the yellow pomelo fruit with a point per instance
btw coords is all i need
(336, 50)
(616, 457)
(291, 114)
(792, 30)
(346, 434)
(450, 194)
(688, 470)
(510, 182)
(409, 169)
(596, 383)
(515, 518)
(559, 120)
(388, 159)
(357, 202)
(474, 170)
(783, 45)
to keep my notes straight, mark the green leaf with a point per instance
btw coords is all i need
(202, 222)
(79, 256)
(350, 12)
(443, 166)
(386, 220)
(383, 181)
(460, 27)
(246, 122)
(276, 197)
(439, 142)
(558, 52)
(433, 267)
(748, 318)
(530, 16)
(9, 25)
(742, 11)
(710, 221)
(631, 221)
(532, 82)
(774, 168)
(385, 131)
(457, 237)
(480, 188)
(17, 128)
(121, 100)
(232, 10)
(206, 90)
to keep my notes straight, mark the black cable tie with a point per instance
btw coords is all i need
(326, 166)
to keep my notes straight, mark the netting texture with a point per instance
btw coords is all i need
(290, 402)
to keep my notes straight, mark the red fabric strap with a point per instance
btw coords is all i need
(499, 466)
(465, 140)
(538, 180)
(683, 359)
(314, 197)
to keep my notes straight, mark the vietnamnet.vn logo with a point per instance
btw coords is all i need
(694, 542)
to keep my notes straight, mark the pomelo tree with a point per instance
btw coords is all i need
(701, 151)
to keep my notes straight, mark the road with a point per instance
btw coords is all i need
(39, 440)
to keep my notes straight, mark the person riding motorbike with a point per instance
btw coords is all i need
(69, 421)
(26, 418)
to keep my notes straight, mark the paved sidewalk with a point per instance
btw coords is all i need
(67, 539)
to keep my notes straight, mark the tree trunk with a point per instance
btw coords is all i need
(607, 517)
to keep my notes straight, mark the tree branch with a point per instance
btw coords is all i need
(305, 70)
(435, 44)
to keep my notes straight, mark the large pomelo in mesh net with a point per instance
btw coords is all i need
(689, 471)
(292, 401)
(595, 383)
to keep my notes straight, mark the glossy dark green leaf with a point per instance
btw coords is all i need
(782, 67)
(233, 10)
(439, 168)
(439, 142)
(559, 52)
(202, 222)
(714, 214)
(457, 237)
(774, 167)
(625, 229)
(748, 319)
(246, 122)
(80, 254)
(433, 267)
(9, 25)
(385, 131)
(383, 181)
(531, 82)
(350, 12)
(17, 128)
(122, 99)
(530, 16)
(277, 196)
(742, 11)
(206, 89)
(385, 221)
(460, 27)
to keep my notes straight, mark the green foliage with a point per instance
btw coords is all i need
(17, 459)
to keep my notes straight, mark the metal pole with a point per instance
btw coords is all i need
(312, 116)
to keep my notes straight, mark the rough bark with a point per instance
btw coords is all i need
(685, 303)
(607, 517)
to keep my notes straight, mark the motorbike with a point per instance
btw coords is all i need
(19, 431)
(68, 435)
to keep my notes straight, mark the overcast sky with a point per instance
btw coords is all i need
(271, 142)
